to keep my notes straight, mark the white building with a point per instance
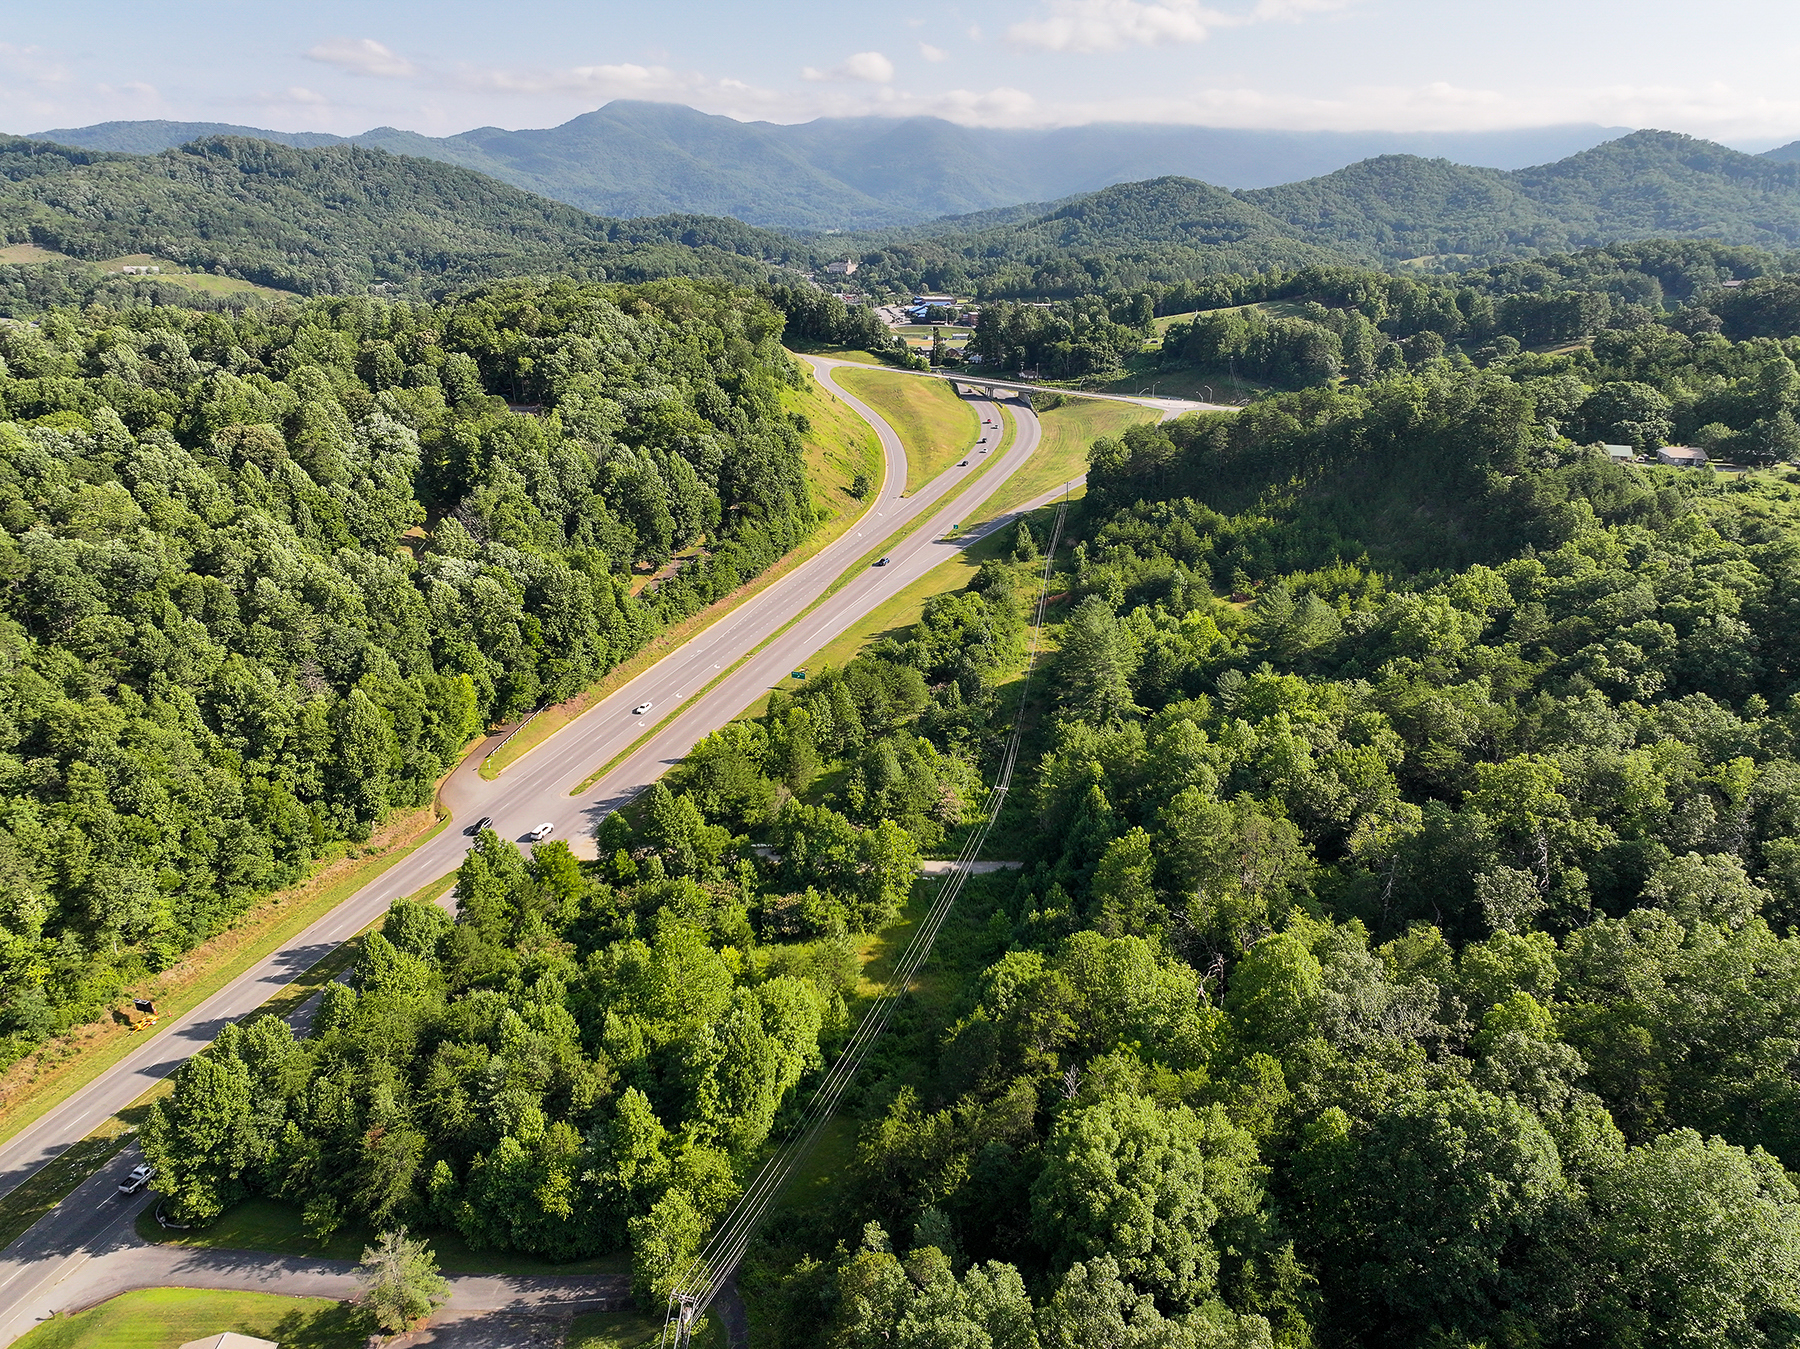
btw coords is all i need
(1620, 454)
(845, 268)
(1682, 456)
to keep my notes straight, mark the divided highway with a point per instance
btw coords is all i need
(740, 656)
(692, 691)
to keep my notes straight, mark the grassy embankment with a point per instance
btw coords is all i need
(838, 445)
(938, 428)
(164, 1318)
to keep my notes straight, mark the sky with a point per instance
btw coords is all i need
(1722, 69)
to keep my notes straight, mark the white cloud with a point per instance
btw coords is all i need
(294, 96)
(362, 56)
(1108, 25)
(931, 53)
(869, 67)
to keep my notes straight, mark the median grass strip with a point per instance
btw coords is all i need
(1008, 429)
(937, 427)
(165, 1318)
(854, 569)
(839, 444)
(1069, 432)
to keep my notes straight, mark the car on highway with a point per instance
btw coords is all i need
(964, 464)
(139, 1177)
(543, 831)
(881, 561)
(640, 709)
(479, 825)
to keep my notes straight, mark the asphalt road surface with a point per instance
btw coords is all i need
(44, 1264)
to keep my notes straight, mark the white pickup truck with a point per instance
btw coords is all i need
(139, 1177)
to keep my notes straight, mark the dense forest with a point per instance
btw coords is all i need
(1405, 951)
(330, 220)
(266, 573)
(1679, 332)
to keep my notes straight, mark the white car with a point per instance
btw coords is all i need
(640, 709)
(139, 1177)
(543, 831)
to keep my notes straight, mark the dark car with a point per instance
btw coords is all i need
(481, 824)
(881, 562)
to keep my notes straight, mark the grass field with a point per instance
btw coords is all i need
(936, 426)
(270, 1225)
(1142, 374)
(164, 1318)
(204, 282)
(1062, 454)
(838, 445)
(21, 255)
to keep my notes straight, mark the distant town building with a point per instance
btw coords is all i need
(1622, 454)
(1682, 456)
(845, 268)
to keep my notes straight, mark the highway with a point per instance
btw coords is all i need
(741, 655)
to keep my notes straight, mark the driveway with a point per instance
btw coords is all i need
(87, 1249)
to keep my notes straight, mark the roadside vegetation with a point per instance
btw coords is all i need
(271, 572)
(1407, 947)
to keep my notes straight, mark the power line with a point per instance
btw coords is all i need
(700, 1283)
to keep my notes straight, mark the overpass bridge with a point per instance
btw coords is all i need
(1020, 391)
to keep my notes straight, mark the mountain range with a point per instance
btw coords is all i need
(343, 216)
(640, 159)
(338, 218)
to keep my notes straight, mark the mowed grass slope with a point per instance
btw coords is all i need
(839, 445)
(936, 426)
(164, 1318)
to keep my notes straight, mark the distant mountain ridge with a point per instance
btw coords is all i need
(1644, 185)
(634, 158)
(1385, 211)
(331, 219)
